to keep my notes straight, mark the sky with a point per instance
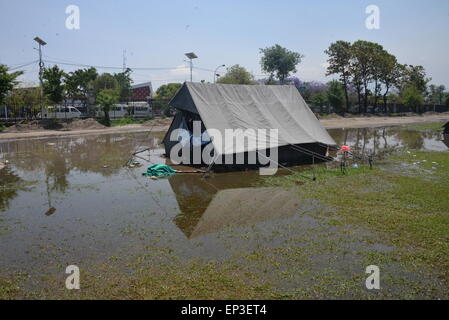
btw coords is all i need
(156, 34)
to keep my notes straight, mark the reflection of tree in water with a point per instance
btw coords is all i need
(103, 154)
(10, 184)
(411, 139)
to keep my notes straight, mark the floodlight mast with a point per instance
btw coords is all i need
(191, 56)
(41, 70)
(41, 64)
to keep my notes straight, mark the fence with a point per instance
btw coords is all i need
(14, 114)
(392, 108)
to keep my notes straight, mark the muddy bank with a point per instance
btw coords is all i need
(157, 125)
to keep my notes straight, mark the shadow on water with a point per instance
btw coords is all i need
(83, 198)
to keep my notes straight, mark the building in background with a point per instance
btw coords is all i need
(141, 92)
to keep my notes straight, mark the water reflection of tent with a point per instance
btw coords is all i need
(209, 208)
(446, 140)
(446, 128)
(252, 107)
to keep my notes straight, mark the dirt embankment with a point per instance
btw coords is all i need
(90, 126)
(42, 125)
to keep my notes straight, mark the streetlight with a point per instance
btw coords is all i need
(41, 64)
(191, 56)
(41, 67)
(215, 72)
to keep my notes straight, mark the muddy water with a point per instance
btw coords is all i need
(73, 201)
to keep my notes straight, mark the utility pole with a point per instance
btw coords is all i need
(124, 60)
(191, 56)
(41, 69)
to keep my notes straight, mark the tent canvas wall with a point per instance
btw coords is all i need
(223, 106)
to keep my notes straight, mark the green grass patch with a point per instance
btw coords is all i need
(128, 120)
(409, 211)
(433, 126)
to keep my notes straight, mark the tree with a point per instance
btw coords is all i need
(124, 82)
(163, 94)
(53, 84)
(7, 81)
(436, 94)
(389, 74)
(362, 67)
(447, 99)
(107, 98)
(104, 81)
(167, 91)
(319, 99)
(237, 75)
(414, 76)
(412, 97)
(335, 95)
(340, 63)
(80, 83)
(280, 61)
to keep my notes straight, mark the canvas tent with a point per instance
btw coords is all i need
(224, 106)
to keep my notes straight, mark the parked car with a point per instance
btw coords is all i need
(59, 112)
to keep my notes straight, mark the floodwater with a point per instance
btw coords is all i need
(71, 200)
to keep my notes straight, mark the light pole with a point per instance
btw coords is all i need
(41, 64)
(191, 56)
(215, 72)
(41, 68)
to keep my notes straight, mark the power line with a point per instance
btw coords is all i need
(23, 65)
(115, 68)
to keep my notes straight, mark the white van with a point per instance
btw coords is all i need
(60, 112)
(134, 109)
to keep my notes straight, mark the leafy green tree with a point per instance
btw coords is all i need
(124, 82)
(414, 76)
(340, 55)
(237, 75)
(279, 61)
(107, 98)
(335, 95)
(53, 84)
(436, 94)
(319, 99)
(390, 72)
(7, 81)
(104, 81)
(163, 94)
(412, 97)
(167, 91)
(80, 83)
(363, 67)
(447, 99)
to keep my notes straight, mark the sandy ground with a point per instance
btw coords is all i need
(362, 122)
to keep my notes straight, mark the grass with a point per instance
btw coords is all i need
(408, 210)
(433, 126)
(403, 205)
(128, 120)
(2, 128)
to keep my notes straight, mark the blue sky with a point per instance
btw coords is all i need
(158, 33)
